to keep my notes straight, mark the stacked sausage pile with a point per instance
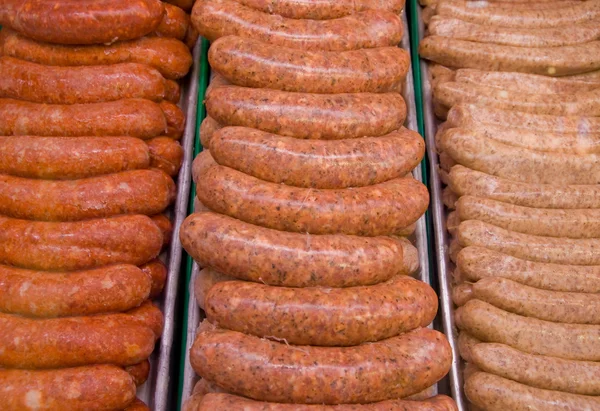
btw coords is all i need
(519, 152)
(307, 194)
(89, 144)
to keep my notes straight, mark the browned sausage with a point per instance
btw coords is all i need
(316, 163)
(375, 28)
(130, 192)
(166, 227)
(93, 387)
(139, 372)
(271, 371)
(34, 82)
(293, 260)
(380, 209)
(174, 24)
(129, 117)
(316, 116)
(172, 91)
(131, 239)
(322, 316)
(251, 63)
(137, 405)
(169, 56)
(166, 154)
(184, 4)
(175, 119)
(323, 9)
(70, 157)
(43, 294)
(158, 271)
(74, 22)
(207, 129)
(148, 315)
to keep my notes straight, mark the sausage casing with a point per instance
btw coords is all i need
(157, 270)
(166, 154)
(175, 23)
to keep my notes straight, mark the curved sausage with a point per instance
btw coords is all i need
(219, 18)
(271, 371)
(490, 324)
(550, 373)
(322, 316)
(172, 91)
(137, 405)
(183, 4)
(129, 239)
(251, 63)
(169, 56)
(466, 343)
(175, 119)
(73, 22)
(495, 393)
(129, 117)
(449, 198)
(530, 247)
(158, 272)
(59, 158)
(42, 294)
(272, 257)
(206, 278)
(80, 388)
(477, 263)
(166, 227)
(166, 154)
(304, 115)
(322, 9)
(148, 315)
(208, 127)
(380, 209)
(174, 24)
(201, 164)
(130, 192)
(139, 372)
(318, 163)
(37, 83)
(462, 293)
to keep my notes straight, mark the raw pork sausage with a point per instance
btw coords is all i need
(166, 154)
(158, 271)
(175, 23)
(322, 9)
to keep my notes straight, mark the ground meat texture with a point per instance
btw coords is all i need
(251, 63)
(273, 257)
(271, 371)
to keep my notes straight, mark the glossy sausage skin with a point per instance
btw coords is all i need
(271, 371)
(73, 22)
(66, 158)
(137, 405)
(323, 9)
(129, 117)
(165, 225)
(157, 270)
(169, 56)
(58, 246)
(220, 18)
(322, 316)
(305, 115)
(381, 209)
(175, 23)
(183, 4)
(166, 154)
(33, 293)
(259, 254)
(145, 192)
(139, 372)
(175, 119)
(316, 163)
(252, 63)
(92, 387)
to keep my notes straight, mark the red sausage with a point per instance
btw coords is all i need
(158, 271)
(166, 154)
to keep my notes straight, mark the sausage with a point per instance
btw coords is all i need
(92, 387)
(521, 37)
(462, 293)
(495, 393)
(157, 271)
(449, 198)
(318, 164)
(511, 17)
(72, 22)
(42, 294)
(322, 10)
(216, 80)
(556, 306)
(550, 373)
(169, 56)
(477, 263)
(73, 341)
(270, 371)
(191, 37)
(166, 154)
(130, 239)
(553, 61)
(172, 91)
(259, 254)
(530, 247)
(518, 164)
(139, 372)
(367, 29)
(34, 82)
(228, 401)
(464, 181)
(491, 324)
(426, 394)
(183, 4)
(380, 209)
(452, 93)
(128, 117)
(208, 127)
(251, 63)
(466, 343)
(175, 119)
(147, 315)
(206, 278)
(131, 192)
(166, 227)
(314, 116)
(201, 164)
(137, 405)
(322, 316)
(174, 24)
(61, 158)
(558, 223)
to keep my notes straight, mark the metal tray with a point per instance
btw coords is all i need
(439, 225)
(419, 239)
(156, 392)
